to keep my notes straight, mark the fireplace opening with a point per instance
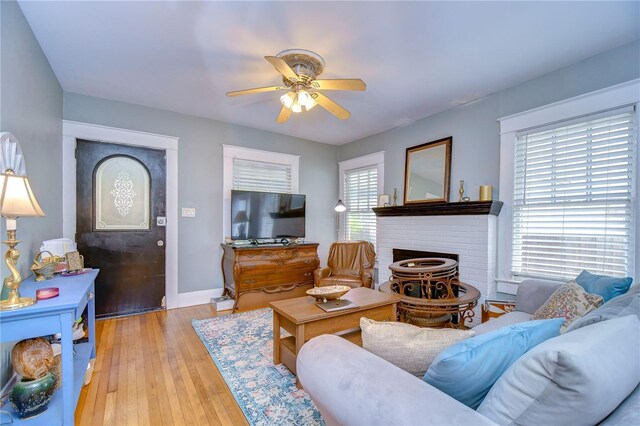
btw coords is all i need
(403, 254)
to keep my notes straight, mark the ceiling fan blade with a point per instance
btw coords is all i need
(341, 84)
(282, 67)
(331, 106)
(284, 115)
(256, 90)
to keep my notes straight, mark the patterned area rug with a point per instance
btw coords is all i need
(241, 347)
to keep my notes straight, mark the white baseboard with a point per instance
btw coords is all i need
(198, 297)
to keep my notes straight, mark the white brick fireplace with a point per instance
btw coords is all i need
(472, 237)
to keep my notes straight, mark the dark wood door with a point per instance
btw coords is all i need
(120, 224)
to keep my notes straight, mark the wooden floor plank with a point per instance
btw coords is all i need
(152, 369)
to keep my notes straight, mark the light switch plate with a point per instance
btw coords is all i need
(188, 212)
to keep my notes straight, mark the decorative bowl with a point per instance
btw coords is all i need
(329, 292)
(31, 397)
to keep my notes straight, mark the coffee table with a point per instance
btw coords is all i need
(304, 320)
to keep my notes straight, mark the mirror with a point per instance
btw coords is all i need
(426, 173)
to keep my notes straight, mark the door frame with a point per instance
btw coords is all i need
(73, 130)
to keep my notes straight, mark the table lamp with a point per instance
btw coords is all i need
(16, 199)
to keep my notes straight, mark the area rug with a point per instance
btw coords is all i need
(241, 346)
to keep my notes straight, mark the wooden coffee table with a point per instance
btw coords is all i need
(304, 320)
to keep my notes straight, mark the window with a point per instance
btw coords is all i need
(256, 170)
(361, 180)
(573, 195)
(251, 175)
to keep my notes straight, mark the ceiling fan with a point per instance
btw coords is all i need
(299, 69)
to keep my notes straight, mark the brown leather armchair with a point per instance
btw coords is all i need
(349, 263)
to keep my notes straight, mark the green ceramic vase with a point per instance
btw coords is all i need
(31, 397)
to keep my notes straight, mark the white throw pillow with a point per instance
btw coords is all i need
(573, 379)
(407, 346)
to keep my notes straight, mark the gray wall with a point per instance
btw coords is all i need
(31, 109)
(475, 129)
(200, 177)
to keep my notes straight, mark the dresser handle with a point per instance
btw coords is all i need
(249, 281)
(91, 296)
(307, 274)
(249, 266)
(308, 261)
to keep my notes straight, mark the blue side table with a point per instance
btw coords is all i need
(56, 316)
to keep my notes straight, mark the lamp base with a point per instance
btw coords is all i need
(20, 302)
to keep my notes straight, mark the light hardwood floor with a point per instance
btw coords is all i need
(152, 369)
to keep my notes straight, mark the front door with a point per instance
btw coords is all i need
(120, 224)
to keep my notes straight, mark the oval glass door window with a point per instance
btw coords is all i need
(122, 188)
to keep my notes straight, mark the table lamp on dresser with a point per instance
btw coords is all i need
(16, 200)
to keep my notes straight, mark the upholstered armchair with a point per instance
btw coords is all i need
(349, 263)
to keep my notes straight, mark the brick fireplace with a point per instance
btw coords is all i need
(468, 230)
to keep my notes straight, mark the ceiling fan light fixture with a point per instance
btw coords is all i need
(310, 104)
(296, 107)
(303, 97)
(287, 99)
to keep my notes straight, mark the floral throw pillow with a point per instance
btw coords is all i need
(570, 301)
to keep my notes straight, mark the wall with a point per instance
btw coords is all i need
(31, 109)
(475, 129)
(200, 177)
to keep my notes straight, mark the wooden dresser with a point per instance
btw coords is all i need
(265, 273)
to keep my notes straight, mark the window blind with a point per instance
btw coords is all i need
(573, 198)
(251, 175)
(360, 195)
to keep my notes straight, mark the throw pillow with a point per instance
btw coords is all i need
(606, 286)
(576, 378)
(626, 304)
(467, 370)
(569, 301)
(407, 346)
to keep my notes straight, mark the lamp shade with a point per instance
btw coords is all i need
(16, 197)
(340, 207)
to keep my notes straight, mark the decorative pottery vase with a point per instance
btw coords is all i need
(30, 398)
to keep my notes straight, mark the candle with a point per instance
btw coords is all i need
(486, 192)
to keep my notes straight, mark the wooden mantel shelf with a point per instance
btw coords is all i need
(442, 209)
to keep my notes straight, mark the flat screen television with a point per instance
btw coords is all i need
(267, 215)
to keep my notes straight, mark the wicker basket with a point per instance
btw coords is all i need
(43, 269)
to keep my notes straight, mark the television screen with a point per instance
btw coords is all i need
(266, 215)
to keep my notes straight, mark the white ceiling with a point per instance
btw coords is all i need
(417, 58)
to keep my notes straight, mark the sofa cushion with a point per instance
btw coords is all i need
(509, 318)
(467, 370)
(532, 293)
(407, 346)
(606, 286)
(626, 304)
(627, 413)
(570, 301)
(575, 378)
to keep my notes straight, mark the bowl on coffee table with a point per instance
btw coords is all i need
(330, 292)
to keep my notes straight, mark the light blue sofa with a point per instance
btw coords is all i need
(351, 386)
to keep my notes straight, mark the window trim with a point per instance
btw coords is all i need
(617, 96)
(375, 159)
(229, 152)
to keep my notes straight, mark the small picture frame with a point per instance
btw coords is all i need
(384, 200)
(74, 261)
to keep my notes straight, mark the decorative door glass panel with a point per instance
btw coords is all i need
(122, 188)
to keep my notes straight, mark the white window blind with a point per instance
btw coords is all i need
(360, 196)
(252, 175)
(573, 198)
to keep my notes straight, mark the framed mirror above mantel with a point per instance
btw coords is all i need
(427, 172)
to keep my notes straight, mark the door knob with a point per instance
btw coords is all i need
(160, 243)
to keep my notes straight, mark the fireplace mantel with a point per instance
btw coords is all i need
(443, 209)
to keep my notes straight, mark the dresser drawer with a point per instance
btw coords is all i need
(263, 280)
(262, 266)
